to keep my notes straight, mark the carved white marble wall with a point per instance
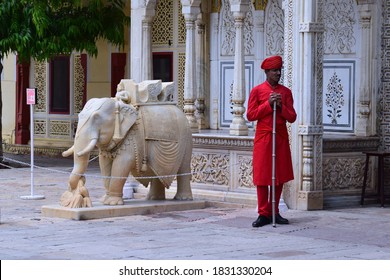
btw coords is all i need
(303, 47)
(222, 163)
(223, 29)
(274, 28)
(366, 107)
(349, 66)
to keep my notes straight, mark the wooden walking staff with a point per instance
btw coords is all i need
(273, 164)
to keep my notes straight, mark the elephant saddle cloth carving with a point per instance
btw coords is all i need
(164, 140)
(165, 129)
(163, 153)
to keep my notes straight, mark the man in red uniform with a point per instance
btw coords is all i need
(260, 109)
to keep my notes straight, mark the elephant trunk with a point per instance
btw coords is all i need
(80, 159)
(89, 148)
(68, 152)
(79, 168)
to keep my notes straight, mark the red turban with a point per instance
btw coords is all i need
(273, 62)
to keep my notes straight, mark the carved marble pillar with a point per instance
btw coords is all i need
(142, 13)
(190, 11)
(214, 67)
(363, 127)
(200, 71)
(311, 28)
(238, 125)
(147, 60)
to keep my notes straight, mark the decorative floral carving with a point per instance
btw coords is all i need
(334, 98)
(343, 174)
(229, 31)
(274, 29)
(339, 26)
(210, 168)
(245, 172)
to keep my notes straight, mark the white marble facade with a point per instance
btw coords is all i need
(333, 62)
(330, 51)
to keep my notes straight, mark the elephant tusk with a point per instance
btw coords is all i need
(89, 148)
(68, 152)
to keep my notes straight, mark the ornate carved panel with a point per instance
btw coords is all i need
(180, 79)
(339, 95)
(228, 31)
(339, 21)
(383, 98)
(274, 29)
(59, 129)
(162, 29)
(210, 168)
(245, 172)
(287, 77)
(40, 127)
(341, 173)
(223, 159)
(40, 84)
(79, 78)
(181, 33)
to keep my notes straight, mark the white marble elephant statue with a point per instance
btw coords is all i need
(149, 141)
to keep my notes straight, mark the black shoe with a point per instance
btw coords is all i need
(261, 221)
(280, 220)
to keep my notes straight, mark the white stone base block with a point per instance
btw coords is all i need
(133, 207)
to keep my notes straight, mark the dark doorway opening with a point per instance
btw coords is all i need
(163, 66)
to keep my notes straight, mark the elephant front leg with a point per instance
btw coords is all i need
(105, 164)
(119, 172)
(115, 193)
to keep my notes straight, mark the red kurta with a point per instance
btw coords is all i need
(260, 110)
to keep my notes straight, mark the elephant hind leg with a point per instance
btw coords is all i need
(156, 191)
(184, 176)
(183, 188)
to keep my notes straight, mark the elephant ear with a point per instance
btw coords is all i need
(125, 117)
(93, 105)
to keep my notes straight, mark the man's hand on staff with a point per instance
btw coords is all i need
(275, 97)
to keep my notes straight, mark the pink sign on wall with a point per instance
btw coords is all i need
(31, 96)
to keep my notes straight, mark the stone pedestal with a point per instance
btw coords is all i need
(310, 200)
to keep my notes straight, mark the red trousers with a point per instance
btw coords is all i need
(264, 200)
